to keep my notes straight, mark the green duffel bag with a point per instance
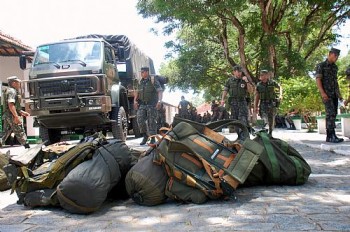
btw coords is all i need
(184, 193)
(279, 164)
(145, 182)
(4, 160)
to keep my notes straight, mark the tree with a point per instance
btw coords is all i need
(286, 36)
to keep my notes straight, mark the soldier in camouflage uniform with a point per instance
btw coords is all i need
(238, 88)
(184, 108)
(161, 115)
(327, 83)
(147, 99)
(13, 113)
(267, 96)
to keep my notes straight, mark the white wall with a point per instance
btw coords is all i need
(9, 66)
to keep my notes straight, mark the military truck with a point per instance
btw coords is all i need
(84, 84)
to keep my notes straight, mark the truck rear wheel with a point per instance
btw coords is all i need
(49, 135)
(119, 123)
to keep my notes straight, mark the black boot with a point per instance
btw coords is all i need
(332, 138)
(144, 140)
(335, 136)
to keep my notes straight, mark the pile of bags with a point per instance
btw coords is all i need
(191, 162)
(76, 177)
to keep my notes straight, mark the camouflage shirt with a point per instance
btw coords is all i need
(148, 91)
(236, 87)
(11, 95)
(328, 74)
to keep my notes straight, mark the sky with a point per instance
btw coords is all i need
(35, 22)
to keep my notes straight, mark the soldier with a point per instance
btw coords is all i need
(13, 113)
(327, 83)
(238, 87)
(161, 115)
(266, 99)
(147, 99)
(184, 107)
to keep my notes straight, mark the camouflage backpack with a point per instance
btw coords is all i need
(202, 164)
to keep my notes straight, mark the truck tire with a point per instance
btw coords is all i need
(49, 135)
(119, 123)
(135, 128)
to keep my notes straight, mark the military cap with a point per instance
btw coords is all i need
(145, 69)
(237, 68)
(335, 51)
(264, 71)
(13, 78)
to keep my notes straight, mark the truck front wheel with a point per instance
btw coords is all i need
(49, 135)
(119, 123)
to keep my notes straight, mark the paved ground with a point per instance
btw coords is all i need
(322, 204)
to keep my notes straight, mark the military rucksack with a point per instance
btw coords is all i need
(39, 169)
(4, 160)
(279, 164)
(202, 164)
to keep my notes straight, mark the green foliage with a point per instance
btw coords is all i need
(300, 93)
(288, 37)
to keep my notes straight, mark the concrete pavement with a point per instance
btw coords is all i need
(322, 204)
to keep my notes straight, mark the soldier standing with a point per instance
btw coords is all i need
(327, 83)
(161, 115)
(147, 99)
(13, 113)
(266, 99)
(184, 107)
(238, 88)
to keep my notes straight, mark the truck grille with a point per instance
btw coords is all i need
(67, 87)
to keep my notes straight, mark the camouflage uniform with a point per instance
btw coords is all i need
(11, 95)
(268, 102)
(328, 74)
(147, 100)
(161, 117)
(237, 89)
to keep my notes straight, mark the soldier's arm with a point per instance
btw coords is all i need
(320, 88)
(319, 84)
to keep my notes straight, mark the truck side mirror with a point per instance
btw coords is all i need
(23, 62)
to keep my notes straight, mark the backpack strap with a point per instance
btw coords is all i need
(276, 172)
(298, 166)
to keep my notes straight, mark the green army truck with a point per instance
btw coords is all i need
(84, 84)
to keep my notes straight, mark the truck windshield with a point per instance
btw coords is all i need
(84, 51)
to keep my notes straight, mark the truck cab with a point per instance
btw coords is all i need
(74, 87)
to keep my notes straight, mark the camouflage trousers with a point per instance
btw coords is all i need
(331, 107)
(268, 113)
(239, 110)
(17, 129)
(147, 119)
(160, 119)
